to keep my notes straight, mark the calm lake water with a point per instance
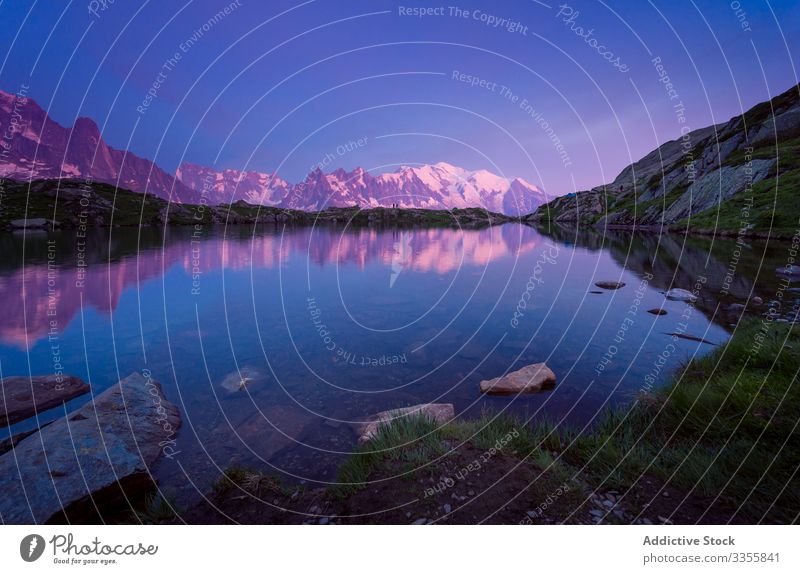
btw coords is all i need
(332, 324)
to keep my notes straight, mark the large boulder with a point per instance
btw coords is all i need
(531, 379)
(23, 397)
(92, 460)
(437, 412)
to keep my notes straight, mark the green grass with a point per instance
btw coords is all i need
(719, 428)
(406, 443)
(157, 509)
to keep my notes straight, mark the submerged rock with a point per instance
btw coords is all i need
(610, 284)
(437, 412)
(680, 295)
(531, 379)
(244, 379)
(792, 271)
(691, 338)
(95, 458)
(23, 397)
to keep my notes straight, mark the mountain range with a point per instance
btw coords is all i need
(36, 147)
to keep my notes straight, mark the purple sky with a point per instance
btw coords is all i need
(287, 85)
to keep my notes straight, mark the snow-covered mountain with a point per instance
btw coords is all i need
(36, 147)
(438, 186)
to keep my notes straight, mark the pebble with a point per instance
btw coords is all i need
(324, 520)
(448, 509)
(408, 515)
(471, 493)
(420, 521)
(597, 513)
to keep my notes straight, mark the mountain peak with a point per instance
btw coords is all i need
(86, 127)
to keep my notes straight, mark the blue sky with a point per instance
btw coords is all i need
(285, 84)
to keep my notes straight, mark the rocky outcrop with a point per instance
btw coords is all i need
(531, 379)
(437, 412)
(690, 175)
(98, 456)
(23, 397)
(717, 186)
(585, 206)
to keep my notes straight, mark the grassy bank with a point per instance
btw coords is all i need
(725, 431)
(723, 434)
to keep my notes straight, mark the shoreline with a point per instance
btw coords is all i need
(665, 459)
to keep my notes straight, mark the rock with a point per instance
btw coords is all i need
(437, 412)
(789, 271)
(8, 443)
(610, 284)
(690, 338)
(756, 300)
(596, 292)
(420, 521)
(531, 379)
(32, 223)
(324, 520)
(717, 186)
(93, 459)
(23, 397)
(244, 379)
(736, 308)
(680, 295)
(447, 509)
(657, 311)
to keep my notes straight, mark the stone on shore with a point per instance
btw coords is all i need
(23, 397)
(437, 412)
(680, 295)
(96, 458)
(32, 223)
(610, 284)
(531, 379)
